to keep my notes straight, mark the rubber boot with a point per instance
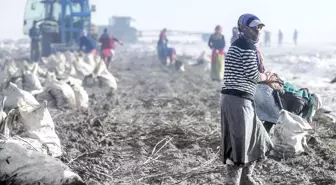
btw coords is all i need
(246, 176)
(233, 174)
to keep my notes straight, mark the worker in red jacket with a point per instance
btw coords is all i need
(108, 46)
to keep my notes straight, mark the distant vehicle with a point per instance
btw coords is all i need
(60, 22)
(120, 27)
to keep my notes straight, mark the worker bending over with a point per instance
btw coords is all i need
(86, 44)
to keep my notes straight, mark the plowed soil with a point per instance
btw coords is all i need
(162, 127)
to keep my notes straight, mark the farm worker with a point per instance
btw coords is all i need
(87, 44)
(295, 36)
(162, 44)
(280, 38)
(108, 45)
(35, 36)
(217, 44)
(234, 34)
(244, 139)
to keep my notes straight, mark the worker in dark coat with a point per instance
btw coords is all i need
(163, 41)
(87, 44)
(35, 48)
(162, 46)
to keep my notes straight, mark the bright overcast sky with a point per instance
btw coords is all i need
(313, 18)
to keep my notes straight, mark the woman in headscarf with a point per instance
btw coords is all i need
(244, 139)
(162, 46)
(217, 44)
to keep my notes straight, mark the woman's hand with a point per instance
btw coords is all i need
(274, 81)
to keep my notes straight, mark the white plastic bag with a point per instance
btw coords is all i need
(82, 97)
(30, 79)
(90, 59)
(23, 166)
(14, 95)
(62, 93)
(39, 126)
(82, 68)
(290, 133)
(10, 68)
(24, 160)
(101, 77)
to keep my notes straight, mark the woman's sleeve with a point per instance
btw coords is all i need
(250, 65)
(210, 42)
(224, 43)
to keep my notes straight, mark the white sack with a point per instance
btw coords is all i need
(82, 97)
(14, 95)
(101, 77)
(290, 133)
(23, 166)
(62, 93)
(39, 126)
(30, 79)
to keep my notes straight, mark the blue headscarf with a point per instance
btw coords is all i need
(246, 24)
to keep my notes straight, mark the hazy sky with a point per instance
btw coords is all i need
(311, 17)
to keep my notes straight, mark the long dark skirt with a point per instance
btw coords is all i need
(243, 137)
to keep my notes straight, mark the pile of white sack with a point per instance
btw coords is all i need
(29, 89)
(60, 79)
(30, 157)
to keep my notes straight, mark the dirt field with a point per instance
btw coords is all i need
(162, 127)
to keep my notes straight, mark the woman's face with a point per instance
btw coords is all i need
(258, 30)
(259, 27)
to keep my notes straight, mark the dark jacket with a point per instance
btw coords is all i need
(87, 43)
(162, 38)
(217, 41)
(35, 36)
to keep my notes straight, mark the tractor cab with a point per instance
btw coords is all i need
(60, 21)
(122, 28)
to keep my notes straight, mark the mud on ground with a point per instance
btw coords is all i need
(162, 127)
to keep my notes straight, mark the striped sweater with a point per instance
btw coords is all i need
(241, 69)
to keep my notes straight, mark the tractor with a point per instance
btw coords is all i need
(60, 21)
(121, 28)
